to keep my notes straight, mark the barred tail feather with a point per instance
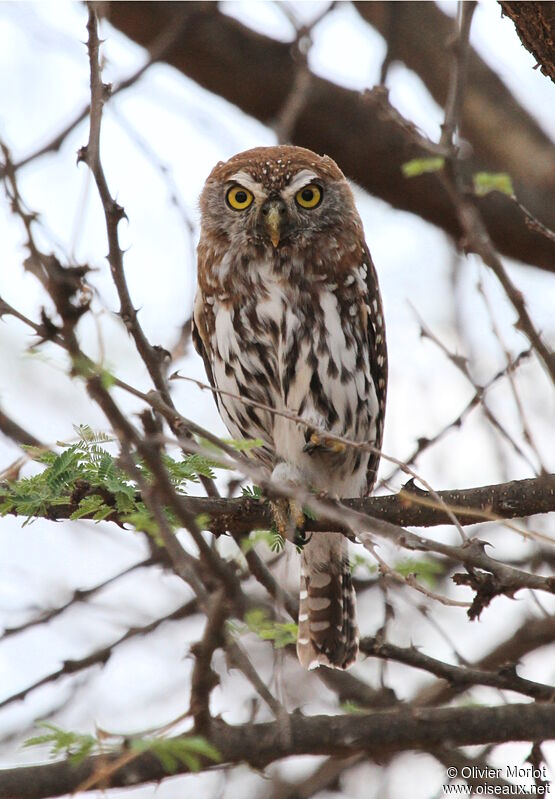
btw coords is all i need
(328, 634)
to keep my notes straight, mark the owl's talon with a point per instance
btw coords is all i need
(300, 540)
(323, 444)
(289, 519)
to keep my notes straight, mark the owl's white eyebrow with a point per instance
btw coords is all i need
(245, 180)
(303, 178)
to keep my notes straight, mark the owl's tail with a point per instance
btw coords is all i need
(328, 634)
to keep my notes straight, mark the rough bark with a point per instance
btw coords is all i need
(380, 733)
(535, 25)
(410, 507)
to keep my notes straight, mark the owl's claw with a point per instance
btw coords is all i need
(319, 443)
(290, 520)
(300, 540)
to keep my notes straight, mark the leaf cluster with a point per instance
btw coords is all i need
(73, 745)
(280, 633)
(171, 752)
(272, 538)
(87, 475)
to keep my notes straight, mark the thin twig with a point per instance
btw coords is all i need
(459, 677)
(477, 238)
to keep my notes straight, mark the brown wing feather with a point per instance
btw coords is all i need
(199, 335)
(378, 360)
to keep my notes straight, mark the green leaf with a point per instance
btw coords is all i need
(278, 541)
(421, 166)
(352, 707)
(88, 507)
(63, 471)
(89, 461)
(107, 379)
(282, 634)
(484, 182)
(173, 751)
(256, 537)
(203, 521)
(190, 469)
(252, 492)
(7, 506)
(425, 570)
(88, 435)
(75, 746)
(143, 521)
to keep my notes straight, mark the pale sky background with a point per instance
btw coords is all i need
(166, 120)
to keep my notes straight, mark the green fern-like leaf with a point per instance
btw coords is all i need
(173, 751)
(190, 469)
(252, 492)
(89, 506)
(63, 471)
(277, 540)
(89, 460)
(75, 746)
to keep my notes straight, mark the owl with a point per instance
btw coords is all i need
(288, 314)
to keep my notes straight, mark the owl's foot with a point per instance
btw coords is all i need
(320, 443)
(289, 520)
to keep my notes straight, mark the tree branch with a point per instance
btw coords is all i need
(380, 733)
(410, 507)
(531, 635)
(12, 430)
(101, 656)
(459, 677)
(504, 136)
(535, 25)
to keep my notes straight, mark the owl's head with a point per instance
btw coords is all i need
(276, 197)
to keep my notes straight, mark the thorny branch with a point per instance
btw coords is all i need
(78, 595)
(460, 362)
(457, 676)
(409, 507)
(379, 733)
(475, 401)
(476, 236)
(100, 656)
(155, 358)
(161, 46)
(503, 659)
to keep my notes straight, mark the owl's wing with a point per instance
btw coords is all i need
(199, 331)
(378, 359)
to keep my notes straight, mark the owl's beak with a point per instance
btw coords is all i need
(273, 224)
(273, 212)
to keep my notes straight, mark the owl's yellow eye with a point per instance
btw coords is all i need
(309, 197)
(239, 198)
